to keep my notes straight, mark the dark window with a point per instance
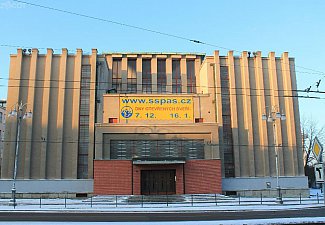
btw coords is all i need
(191, 79)
(146, 76)
(161, 76)
(132, 76)
(176, 77)
(117, 75)
(83, 144)
(113, 120)
(128, 149)
(226, 118)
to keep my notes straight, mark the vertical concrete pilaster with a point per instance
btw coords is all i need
(154, 75)
(274, 86)
(109, 60)
(29, 122)
(290, 156)
(261, 109)
(45, 114)
(169, 72)
(247, 104)
(124, 74)
(71, 158)
(139, 74)
(11, 123)
(61, 109)
(183, 68)
(300, 166)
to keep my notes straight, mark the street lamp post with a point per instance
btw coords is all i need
(271, 117)
(20, 112)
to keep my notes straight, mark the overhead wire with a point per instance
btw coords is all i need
(147, 30)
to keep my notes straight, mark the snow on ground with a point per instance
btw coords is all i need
(319, 220)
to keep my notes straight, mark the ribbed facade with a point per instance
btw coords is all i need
(76, 117)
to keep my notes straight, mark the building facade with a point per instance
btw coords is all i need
(154, 123)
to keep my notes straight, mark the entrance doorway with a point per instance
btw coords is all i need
(158, 182)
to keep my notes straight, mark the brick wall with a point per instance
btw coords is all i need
(203, 176)
(113, 177)
(137, 176)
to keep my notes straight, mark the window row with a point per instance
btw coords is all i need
(147, 76)
(130, 149)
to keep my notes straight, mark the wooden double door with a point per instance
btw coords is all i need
(158, 182)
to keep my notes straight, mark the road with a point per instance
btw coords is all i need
(82, 216)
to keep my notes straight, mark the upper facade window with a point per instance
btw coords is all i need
(161, 76)
(146, 76)
(117, 75)
(191, 79)
(132, 76)
(176, 77)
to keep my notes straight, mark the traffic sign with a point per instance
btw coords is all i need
(319, 173)
(317, 149)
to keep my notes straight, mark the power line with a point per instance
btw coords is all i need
(122, 24)
(241, 66)
(170, 92)
(139, 28)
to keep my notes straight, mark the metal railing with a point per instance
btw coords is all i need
(152, 201)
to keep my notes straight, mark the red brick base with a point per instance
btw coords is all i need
(120, 177)
(203, 177)
(113, 177)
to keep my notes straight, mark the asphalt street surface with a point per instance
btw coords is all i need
(82, 216)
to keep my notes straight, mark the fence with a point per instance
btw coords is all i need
(152, 201)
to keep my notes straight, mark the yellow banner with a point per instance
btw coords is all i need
(156, 108)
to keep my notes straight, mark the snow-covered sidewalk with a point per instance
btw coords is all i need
(121, 203)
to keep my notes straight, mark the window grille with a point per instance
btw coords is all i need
(146, 76)
(83, 143)
(161, 76)
(176, 77)
(226, 119)
(128, 149)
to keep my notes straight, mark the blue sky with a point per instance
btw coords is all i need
(295, 26)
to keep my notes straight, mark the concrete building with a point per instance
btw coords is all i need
(153, 123)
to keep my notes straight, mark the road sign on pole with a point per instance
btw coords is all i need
(319, 173)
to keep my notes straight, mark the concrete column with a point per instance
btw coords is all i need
(139, 74)
(124, 74)
(45, 114)
(290, 156)
(11, 124)
(260, 110)
(169, 69)
(154, 75)
(71, 157)
(183, 68)
(109, 61)
(233, 109)
(274, 91)
(29, 122)
(61, 109)
(248, 125)
(299, 148)
(197, 68)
